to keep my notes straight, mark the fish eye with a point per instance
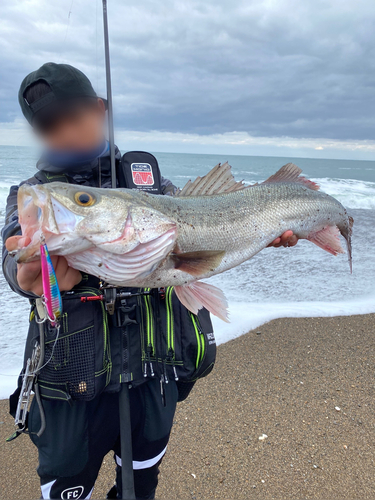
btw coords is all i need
(84, 199)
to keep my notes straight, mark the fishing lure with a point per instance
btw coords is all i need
(51, 292)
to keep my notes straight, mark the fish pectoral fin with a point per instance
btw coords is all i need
(327, 238)
(197, 263)
(197, 295)
(291, 173)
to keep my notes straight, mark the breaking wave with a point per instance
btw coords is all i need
(350, 192)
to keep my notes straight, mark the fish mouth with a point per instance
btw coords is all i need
(40, 217)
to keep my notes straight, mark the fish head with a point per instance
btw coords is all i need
(73, 219)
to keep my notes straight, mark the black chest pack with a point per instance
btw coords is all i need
(116, 335)
(140, 170)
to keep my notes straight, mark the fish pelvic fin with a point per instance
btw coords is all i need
(197, 263)
(327, 238)
(219, 180)
(291, 173)
(197, 295)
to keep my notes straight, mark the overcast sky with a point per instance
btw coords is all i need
(293, 77)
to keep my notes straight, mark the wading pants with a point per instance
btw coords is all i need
(78, 436)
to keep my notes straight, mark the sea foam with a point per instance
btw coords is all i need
(246, 316)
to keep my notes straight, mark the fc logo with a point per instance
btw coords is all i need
(72, 493)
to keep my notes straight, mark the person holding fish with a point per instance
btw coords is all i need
(153, 330)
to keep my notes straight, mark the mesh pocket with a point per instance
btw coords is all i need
(71, 361)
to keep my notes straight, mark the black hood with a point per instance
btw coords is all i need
(94, 172)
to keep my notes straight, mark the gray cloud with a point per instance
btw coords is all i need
(271, 68)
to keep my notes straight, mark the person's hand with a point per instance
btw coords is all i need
(288, 239)
(29, 275)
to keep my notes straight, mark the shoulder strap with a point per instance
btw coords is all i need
(45, 177)
(140, 170)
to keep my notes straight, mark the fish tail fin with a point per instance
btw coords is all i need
(197, 295)
(347, 234)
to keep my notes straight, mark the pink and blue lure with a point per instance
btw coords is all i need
(51, 292)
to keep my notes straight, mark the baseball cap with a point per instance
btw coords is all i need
(66, 83)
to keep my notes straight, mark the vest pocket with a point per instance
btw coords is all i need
(188, 353)
(77, 358)
(175, 344)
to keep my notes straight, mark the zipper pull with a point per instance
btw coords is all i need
(165, 371)
(162, 391)
(171, 357)
(175, 372)
(199, 327)
(149, 353)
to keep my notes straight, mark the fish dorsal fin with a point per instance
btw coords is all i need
(291, 173)
(219, 180)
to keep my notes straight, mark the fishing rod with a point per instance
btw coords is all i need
(127, 477)
(111, 134)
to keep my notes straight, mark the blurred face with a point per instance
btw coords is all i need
(80, 129)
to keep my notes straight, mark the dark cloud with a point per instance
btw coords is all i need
(271, 68)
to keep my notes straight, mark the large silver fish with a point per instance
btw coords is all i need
(131, 238)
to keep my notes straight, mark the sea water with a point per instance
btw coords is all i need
(282, 282)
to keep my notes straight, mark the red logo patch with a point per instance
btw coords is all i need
(142, 174)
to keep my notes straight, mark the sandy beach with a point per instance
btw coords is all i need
(306, 384)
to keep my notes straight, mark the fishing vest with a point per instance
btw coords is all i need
(148, 336)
